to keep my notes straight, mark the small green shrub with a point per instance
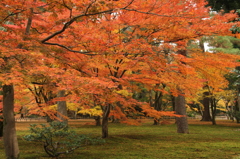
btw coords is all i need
(57, 139)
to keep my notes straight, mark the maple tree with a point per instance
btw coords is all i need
(16, 61)
(214, 76)
(106, 46)
(8, 60)
(227, 44)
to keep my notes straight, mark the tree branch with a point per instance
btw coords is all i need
(160, 15)
(67, 48)
(67, 24)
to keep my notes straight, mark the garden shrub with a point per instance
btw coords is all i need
(58, 139)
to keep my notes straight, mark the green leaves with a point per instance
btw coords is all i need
(235, 29)
(57, 139)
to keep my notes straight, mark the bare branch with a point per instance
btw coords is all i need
(89, 6)
(29, 22)
(12, 14)
(67, 48)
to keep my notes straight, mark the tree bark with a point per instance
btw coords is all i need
(237, 109)
(173, 103)
(156, 121)
(9, 130)
(157, 105)
(213, 110)
(98, 120)
(180, 108)
(62, 107)
(206, 104)
(106, 112)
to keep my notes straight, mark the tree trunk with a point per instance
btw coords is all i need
(9, 130)
(231, 113)
(98, 120)
(104, 127)
(157, 105)
(106, 112)
(22, 116)
(156, 121)
(49, 119)
(182, 123)
(213, 110)
(173, 103)
(237, 109)
(206, 112)
(62, 108)
(1, 127)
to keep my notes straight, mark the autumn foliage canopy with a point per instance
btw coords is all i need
(103, 51)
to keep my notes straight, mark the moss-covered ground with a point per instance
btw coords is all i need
(147, 141)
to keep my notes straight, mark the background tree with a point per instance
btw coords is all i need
(228, 44)
(225, 5)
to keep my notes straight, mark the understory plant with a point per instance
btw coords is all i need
(57, 138)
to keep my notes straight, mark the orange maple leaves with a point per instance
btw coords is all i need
(100, 47)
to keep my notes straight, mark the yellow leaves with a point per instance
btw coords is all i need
(115, 31)
(70, 106)
(96, 111)
(53, 107)
(124, 92)
(222, 98)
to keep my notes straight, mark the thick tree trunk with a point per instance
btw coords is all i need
(104, 127)
(206, 104)
(9, 130)
(62, 107)
(106, 112)
(180, 108)
(98, 120)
